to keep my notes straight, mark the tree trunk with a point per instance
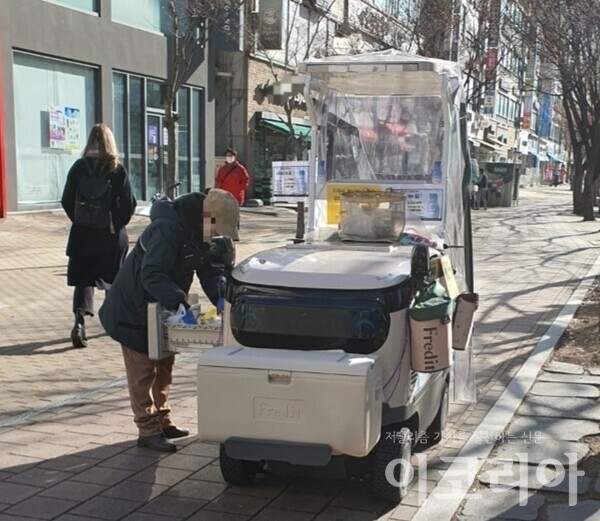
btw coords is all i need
(588, 198)
(577, 187)
(578, 176)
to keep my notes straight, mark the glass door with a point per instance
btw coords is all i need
(156, 156)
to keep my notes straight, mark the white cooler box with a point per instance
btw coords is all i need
(329, 398)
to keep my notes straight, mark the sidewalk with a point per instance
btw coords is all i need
(67, 441)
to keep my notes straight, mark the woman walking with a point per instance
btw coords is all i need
(98, 200)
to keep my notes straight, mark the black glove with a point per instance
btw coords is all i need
(222, 252)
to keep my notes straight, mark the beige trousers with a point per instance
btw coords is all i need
(149, 383)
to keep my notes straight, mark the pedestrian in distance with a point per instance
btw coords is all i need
(473, 187)
(98, 200)
(482, 193)
(562, 175)
(233, 177)
(160, 268)
(555, 176)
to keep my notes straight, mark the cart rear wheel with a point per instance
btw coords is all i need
(237, 471)
(395, 447)
(435, 432)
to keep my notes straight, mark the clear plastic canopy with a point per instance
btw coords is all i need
(388, 121)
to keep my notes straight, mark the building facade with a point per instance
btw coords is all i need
(68, 64)
(513, 127)
(259, 60)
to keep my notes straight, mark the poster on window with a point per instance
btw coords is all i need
(72, 129)
(58, 129)
(65, 128)
(152, 142)
(290, 181)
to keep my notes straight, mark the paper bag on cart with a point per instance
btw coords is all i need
(462, 328)
(431, 332)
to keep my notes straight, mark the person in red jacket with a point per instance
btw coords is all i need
(233, 177)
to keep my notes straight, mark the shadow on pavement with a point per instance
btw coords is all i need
(51, 480)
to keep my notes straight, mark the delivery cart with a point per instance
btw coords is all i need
(343, 344)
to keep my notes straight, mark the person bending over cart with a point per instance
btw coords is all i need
(160, 268)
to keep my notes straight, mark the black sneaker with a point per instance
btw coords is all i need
(157, 442)
(78, 336)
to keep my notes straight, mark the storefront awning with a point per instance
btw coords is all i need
(493, 146)
(280, 126)
(553, 157)
(486, 143)
(500, 144)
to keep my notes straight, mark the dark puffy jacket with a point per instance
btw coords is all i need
(160, 268)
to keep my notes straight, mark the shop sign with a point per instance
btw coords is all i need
(546, 116)
(527, 111)
(228, 32)
(492, 59)
(270, 24)
(489, 100)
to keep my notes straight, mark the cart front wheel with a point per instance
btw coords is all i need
(237, 471)
(392, 472)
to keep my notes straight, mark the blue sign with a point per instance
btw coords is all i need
(546, 116)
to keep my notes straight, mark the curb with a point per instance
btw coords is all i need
(500, 415)
(267, 210)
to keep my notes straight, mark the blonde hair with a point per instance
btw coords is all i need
(101, 143)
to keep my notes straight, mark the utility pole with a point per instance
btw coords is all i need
(455, 34)
(3, 196)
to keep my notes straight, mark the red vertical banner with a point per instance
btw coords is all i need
(3, 196)
(491, 59)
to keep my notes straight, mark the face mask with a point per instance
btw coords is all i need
(230, 159)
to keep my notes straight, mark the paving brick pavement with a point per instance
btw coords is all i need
(39, 364)
(67, 448)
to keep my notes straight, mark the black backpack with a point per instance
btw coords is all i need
(92, 200)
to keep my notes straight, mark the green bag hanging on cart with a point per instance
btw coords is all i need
(431, 329)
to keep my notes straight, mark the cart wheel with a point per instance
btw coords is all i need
(237, 471)
(435, 432)
(393, 445)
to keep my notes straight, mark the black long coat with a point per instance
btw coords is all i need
(97, 253)
(160, 268)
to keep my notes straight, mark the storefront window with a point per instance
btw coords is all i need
(120, 110)
(142, 136)
(54, 111)
(154, 94)
(84, 5)
(183, 139)
(143, 14)
(197, 140)
(136, 135)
